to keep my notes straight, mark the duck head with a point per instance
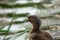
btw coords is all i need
(36, 22)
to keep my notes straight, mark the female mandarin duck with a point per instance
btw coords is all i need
(36, 33)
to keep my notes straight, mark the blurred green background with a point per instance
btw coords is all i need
(14, 15)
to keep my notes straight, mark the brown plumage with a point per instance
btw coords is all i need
(36, 33)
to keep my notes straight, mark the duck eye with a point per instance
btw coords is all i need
(31, 19)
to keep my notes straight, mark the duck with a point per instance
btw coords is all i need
(36, 33)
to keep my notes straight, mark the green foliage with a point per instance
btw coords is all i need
(45, 28)
(21, 33)
(7, 32)
(9, 0)
(20, 5)
(3, 32)
(16, 15)
(10, 24)
(3, 26)
(18, 22)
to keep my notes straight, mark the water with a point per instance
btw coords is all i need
(32, 11)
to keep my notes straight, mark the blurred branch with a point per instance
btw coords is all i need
(8, 0)
(18, 22)
(10, 24)
(9, 15)
(3, 32)
(3, 26)
(19, 5)
(15, 22)
(16, 15)
(19, 34)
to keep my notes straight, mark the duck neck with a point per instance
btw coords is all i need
(35, 28)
